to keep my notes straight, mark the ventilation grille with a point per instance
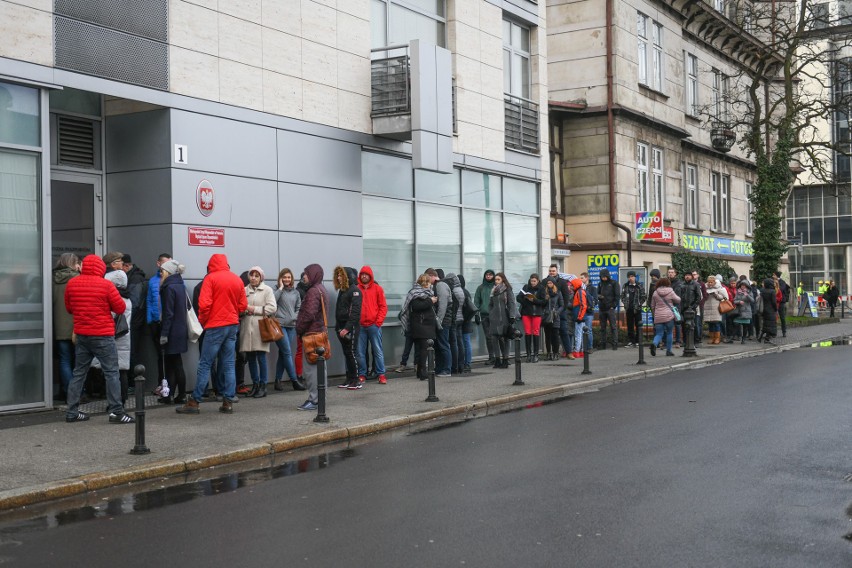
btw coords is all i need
(76, 141)
(94, 50)
(146, 18)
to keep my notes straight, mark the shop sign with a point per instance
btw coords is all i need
(597, 262)
(715, 245)
(650, 227)
(560, 252)
(206, 237)
(204, 197)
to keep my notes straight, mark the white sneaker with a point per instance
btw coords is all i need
(400, 369)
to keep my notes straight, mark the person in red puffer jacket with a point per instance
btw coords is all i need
(92, 301)
(374, 309)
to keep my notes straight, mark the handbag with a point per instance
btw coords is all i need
(121, 327)
(270, 330)
(193, 326)
(726, 306)
(675, 311)
(311, 341)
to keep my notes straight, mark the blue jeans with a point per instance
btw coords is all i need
(257, 359)
(578, 336)
(456, 348)
(468, 349)
(285, 354)
(565, 334)
(442, 351)
(89, 347)
(373, 335)
(218, 342)
(66, 362)
(664, 330)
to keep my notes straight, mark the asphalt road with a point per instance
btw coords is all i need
(743, 464)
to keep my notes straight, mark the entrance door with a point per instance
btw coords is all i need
(76, 213)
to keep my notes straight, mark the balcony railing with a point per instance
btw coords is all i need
(390, 80)
(521, 124)
(722, 137)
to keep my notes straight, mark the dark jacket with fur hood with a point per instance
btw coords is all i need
(347, 314)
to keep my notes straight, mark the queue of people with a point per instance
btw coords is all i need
(95, 324)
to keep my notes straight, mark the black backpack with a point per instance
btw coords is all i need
(468, 308)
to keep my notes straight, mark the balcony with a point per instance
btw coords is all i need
(521, 124)
(390, 80)
(722, 137)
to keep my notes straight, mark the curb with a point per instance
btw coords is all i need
(26, 496)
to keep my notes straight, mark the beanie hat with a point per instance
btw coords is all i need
(257, 269)
(173, 267)
(655, 273)
(630, 273)
(117, 277)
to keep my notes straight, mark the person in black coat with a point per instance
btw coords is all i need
(770, 310)
(422, 322)
(532, 300)
(174, 302)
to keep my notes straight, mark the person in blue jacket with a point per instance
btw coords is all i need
(152, 311)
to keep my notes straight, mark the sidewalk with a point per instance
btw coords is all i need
(44, 458)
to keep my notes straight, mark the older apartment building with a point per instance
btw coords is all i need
(398, 133)
(640, 111)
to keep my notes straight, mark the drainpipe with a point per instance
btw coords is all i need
(610, 120)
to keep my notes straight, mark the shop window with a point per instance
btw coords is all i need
(386, 175)
(19, 115)
(389, 246)
(438, 237)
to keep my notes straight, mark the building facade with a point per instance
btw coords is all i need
(641, 110)
(397, 133)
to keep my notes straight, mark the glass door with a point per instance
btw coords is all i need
(76, 215)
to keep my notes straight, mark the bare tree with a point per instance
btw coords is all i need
(788, 104)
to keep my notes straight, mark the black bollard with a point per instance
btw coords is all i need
(139, 385)
(518, 380)
(586, 347)
(430, 370)
(640, 332)
(322, 386)
(689, 333)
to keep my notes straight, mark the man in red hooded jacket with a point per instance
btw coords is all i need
(91, 300)
(374, 309)
(222, 300)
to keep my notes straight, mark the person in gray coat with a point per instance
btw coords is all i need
(443, 359)
(502, 315)
(744, 302)
(288, 300)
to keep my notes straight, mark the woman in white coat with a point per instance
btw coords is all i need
(122, 344)
(261, 303)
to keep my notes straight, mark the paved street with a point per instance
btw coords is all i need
(740, 464)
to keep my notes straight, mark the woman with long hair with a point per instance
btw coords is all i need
(502, 316)
(288, 300)
(261, 304)
(67, 267)
(532, 298)
(174, 302)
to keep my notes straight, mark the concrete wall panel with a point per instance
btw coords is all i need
(303, 208)
(138, 141)
(238, 201)
(244, 248)
(312, 160)
(136, 198)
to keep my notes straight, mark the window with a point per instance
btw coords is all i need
(819, 16)
(750, 217)
(721, 202)
(398, 22)
(720, 96)
(649, 183)
(650, 54)
(516, 59)
(642, 175)
(691, 180)
(657, 202)
(719, 5)
(389, 245)
(691, 84)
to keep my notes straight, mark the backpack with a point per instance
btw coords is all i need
(468, 308)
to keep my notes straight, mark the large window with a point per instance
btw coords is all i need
(438, 237)
(691, 84)
(721, 202)
(650, 55)
(483, 241)
(516, 60)
(721, 105)
(482, 190)
(820, 215)
(389, 246)
(691, 190)
(649, 182)
(521, 234)
(400, 21)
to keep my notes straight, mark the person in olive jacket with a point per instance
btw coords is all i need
(532, 300)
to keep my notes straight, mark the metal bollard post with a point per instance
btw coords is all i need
(586, 347)
(430, 370)
(689, 333)
(139, 385)
(322, 386)
(641, 331)
(518, 380)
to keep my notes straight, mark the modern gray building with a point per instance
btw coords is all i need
(401, 134)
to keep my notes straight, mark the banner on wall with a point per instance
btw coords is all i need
(715, 245)
(650, 228)
(597, 262)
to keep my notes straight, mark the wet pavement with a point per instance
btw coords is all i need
(45, 458)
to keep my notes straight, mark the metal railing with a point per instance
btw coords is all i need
(521, 124)
(390, 80)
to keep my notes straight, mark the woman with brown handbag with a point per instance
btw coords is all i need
(716, 293)
(261, 304)
(312, 319)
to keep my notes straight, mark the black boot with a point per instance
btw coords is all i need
(261, 391)
(528, 342)
(278, 386)
(253, 391)
(298, 384)
(535, 348)
(505, 363)
(497, 363)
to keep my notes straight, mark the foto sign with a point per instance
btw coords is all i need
(650, 227)
(597, 262)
